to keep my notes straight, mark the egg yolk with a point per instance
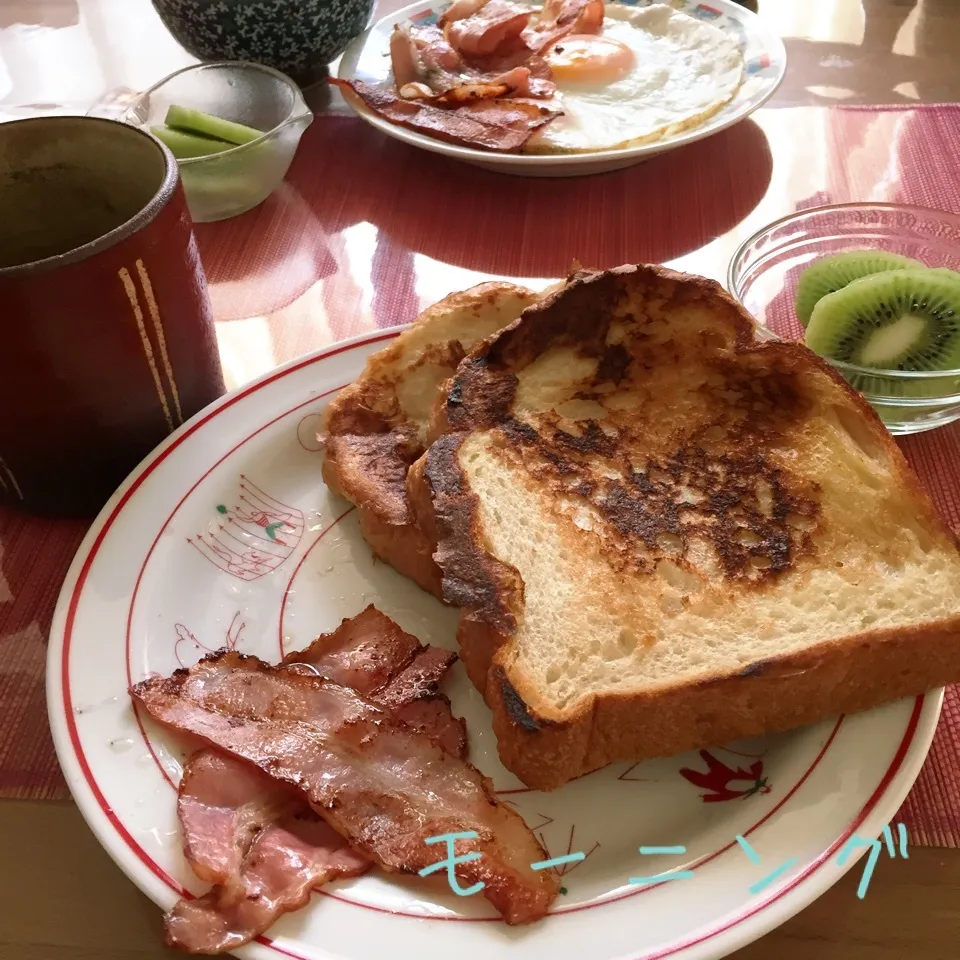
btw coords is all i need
(590, 59)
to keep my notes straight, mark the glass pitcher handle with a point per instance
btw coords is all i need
(114, 103)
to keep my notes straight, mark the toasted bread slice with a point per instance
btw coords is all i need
(666, 534)
(377, 427)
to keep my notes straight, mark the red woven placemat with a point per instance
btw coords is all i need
(366, 231)
(907, 155)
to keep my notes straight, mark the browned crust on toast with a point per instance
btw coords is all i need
(371, 472)
(370, 441)
(857, 673)
(578, 313)
(472, 579)
(770, 697)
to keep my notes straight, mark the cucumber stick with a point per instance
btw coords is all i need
(203, 124)
(187, 145)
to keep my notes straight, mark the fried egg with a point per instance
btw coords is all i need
(648, 74)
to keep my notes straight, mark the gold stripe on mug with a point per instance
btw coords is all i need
(158, 330)
(6, 474)
(131, 291)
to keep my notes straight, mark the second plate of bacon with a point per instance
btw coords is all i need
(482, 80)
(476, 77)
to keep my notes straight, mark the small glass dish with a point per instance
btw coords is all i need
(234, 181)
(764, 272)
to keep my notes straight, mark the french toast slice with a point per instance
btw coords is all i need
(376, 427)
(665, 533)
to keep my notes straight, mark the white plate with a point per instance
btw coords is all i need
(180, 562)
(367, 59)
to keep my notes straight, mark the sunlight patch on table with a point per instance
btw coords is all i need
(246, 350)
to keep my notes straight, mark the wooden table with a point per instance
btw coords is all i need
(61, 898)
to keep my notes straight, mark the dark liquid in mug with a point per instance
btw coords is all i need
(49, 209)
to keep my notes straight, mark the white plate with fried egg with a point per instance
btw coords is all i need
(657, 76)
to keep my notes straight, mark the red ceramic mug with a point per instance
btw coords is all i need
(107, 341)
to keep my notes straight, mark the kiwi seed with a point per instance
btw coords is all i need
(832, 273)
(896, 320)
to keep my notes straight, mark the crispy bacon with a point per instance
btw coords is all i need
(374, 656)
(590, 17)
(222, 805)
(517, 82)
(468, 92)
(257, 840)
(532, 79)
(503, 126)
(285, 863)
(380, 784)
(412, 696)
(524, 73)
(424, 64)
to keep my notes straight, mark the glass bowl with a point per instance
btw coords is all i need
(226, 184)
(763, 276)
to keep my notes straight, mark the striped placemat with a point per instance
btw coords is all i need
(366, 231)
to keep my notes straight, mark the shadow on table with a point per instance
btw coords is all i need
(346, 173)
(907, 54)
(263, 260)
(502, 225)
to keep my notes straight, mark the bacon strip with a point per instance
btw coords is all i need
(424, 64)
(257, 840)
(285, 863)
(468, 92)
(412, 696)
(421, 57)
(479, 50)
(378, 783)
(222, 805)
(441, 63)
(259, 843)
(365, 652)
(374, 656)
(460, 10)
(495, 25)
(503, 126)
(560, 18)
(404, 57)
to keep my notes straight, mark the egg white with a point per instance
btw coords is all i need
(685, 71)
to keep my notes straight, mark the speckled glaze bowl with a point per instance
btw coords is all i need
(297, 37)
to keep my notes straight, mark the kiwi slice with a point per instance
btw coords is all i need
(896, 320)
(834, 272)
